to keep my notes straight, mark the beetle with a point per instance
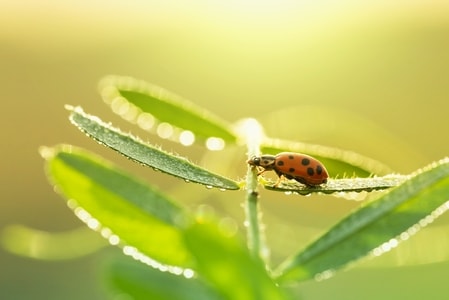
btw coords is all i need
(301, 167)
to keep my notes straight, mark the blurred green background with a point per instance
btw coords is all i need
(367, 76)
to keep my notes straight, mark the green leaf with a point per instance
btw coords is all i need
(375, 228)
(122, 208)
(153, 229)
(339, 185)
(141, 282)
(227, 265)
(42, 245)
(145, 154)
(126, 94)
(337, 161)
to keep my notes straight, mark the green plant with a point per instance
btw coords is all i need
(196, 256)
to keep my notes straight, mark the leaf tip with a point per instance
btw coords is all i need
(47, 152)
(72, 108)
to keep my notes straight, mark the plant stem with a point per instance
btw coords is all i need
(256, 240)
(252, 216)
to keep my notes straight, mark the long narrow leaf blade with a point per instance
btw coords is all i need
(123, 209)
(140, 282)
(375, 228)
(163, 106)
(227, 265)
(145, 154)
(337, 161)
(339, 185)
(43, 245)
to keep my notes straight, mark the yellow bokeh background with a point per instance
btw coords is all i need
(366, 76)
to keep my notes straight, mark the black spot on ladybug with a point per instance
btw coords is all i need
(291, 157)
(291, 170)
(266, 162)
(319, 169)
(310, 171)
(280, 163)
(305, 161)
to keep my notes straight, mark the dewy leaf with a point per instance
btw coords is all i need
(145, 154)
(337, 161)
(339, 185)
(140, 282)
(226, 264)
(144, 103)
(123, 209)
(375, 228)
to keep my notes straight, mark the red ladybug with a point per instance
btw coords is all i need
(303, 168)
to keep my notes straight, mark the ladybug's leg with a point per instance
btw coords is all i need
(281, 177)
(261, 172)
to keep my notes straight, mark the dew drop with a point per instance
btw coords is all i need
(93, 224)
(324, 275)
(109, 93)
(146, 121)
(130, 251)
(215, 144)
(72, 204)
(186, 138)
(164, 130)
(404, 236)
(106, 232)
(120, 106)
(188, 273)
(114, 240)
(131, 114)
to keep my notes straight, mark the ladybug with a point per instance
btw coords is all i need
(300, 167)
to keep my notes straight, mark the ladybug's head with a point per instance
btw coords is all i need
(264, 161)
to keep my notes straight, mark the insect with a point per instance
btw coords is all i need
(300, 167)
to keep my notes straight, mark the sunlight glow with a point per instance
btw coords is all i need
(215, 144)
(186, 138)
(120, 106)
(165, 130)
(139, 256)
(114, 240)
(146, 121)
(251, 130)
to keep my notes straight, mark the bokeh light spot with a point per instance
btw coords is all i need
(164, 130)
(215, 144)
(186, 138)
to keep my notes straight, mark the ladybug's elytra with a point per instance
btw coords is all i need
(303, 168)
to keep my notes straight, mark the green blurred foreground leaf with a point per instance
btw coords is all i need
(140, 282)
(130, 98)
(375, 228)
(153, 229)
(117, 205)
(231, 269)
(145, 154)
(38, 244)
